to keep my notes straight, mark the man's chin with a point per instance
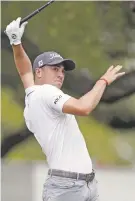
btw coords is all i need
(58, 85)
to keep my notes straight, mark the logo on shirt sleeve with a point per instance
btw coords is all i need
(57, 99)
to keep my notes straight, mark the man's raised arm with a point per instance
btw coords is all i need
(87, 103)
(23, 64)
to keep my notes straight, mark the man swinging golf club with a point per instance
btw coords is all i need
(49, 114)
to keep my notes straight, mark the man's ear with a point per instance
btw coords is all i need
(38, 72)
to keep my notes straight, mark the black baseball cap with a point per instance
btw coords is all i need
(52, 58)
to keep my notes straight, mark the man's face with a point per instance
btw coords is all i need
(53, 75)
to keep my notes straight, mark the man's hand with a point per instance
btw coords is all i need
(14, 31)
(112, 74)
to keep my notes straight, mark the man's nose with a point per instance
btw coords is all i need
(60, 74)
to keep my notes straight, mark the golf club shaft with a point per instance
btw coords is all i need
(36, 12)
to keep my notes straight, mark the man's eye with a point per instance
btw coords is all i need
(56, 69)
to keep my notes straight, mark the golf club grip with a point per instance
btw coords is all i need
(36, 12)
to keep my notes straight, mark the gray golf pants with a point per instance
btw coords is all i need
(66, 189)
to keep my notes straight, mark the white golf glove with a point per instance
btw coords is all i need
(14, 31)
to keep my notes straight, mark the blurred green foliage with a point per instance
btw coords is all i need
(12, 112)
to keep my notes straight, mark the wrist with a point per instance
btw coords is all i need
(17, 42)
(15, 38)
(105, 80)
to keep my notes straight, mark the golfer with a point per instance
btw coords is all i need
(50, 116)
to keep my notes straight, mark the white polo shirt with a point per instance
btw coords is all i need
(57, 133)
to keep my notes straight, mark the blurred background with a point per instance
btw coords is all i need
(96, 35)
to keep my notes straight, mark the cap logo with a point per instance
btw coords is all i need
(40, 63)
(55, 55)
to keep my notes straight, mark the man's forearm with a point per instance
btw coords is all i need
(23, 65)
(92, 98)
(22, 61)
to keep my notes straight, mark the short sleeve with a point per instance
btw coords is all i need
(55, 98)
(31, 89)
